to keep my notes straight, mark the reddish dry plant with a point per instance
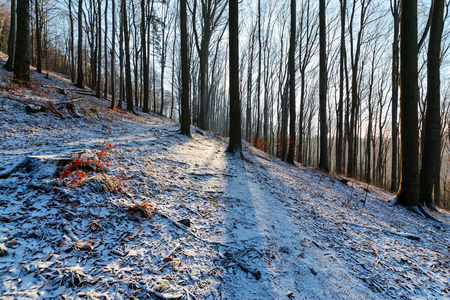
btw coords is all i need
(74, 171)
(260, 143)
(120, 110)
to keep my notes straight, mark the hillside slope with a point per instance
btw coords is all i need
(250, 229)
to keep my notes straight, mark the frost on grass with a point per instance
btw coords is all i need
(159, 215)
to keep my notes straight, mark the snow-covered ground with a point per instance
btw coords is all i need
(258, 228)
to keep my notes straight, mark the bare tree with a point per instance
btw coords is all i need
(408, 192)
(291, 151)
(38, 21)
(113, 56)
(185, 113)
(432, 137)
(22, 48)
(80, 81)
(128, 86)
(235, 144)
(144, 57)
(11, 37)
(323, 163)
(395, 10)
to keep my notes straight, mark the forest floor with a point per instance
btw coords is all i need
(156, 215)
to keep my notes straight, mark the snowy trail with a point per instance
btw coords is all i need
(289, 263)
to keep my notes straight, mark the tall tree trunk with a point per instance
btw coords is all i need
(121, 80)
(128, 86)
(80, 81)
(72, 44)
(323, 162)
(22, 52)
(144, 57)
(249, 88)
(38, 38)
(163, 65)
(99, 37)
(185, 113)
(395, 10)
(340, 114)
(11, 38)
(432, 128)
(258, 93)
(106, 50)
(235, 144)
(113, 56)
(408, 193)
(291, 151)
(173, 68)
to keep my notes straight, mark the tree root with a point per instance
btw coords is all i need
(420, 210)
(402, 234)
(428, 215)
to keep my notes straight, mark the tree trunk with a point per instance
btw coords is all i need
(432, 128)
(249, 89)
(113, 56)
(38, 38)
(80, 83)
(258, 93)
(128, 86)
(9, 66)
(144, 57)
(106, 50)
(99, 37)
(395, 66)
(22, 52)
(185, 113)
(291, 151)
(121, 80)
(235, 144)
(408, 193)
(340, 114)
(72, 44)
(323, 163)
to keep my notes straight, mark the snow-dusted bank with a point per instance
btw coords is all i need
(168, 217)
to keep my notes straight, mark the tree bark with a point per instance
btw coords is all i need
(99, 37)
(38, 38)
(113, 56)
(72, 44)
(291, 150)
(432, 128)
(340, 114)
(128, 86)
(106, 50)
(9, 66)
(408, 193)
(80, 83)
(22, 52)
(395, 81)
(144, 57)
(323, 162)
(235, 143)
(185, 113)
(249, 88)
(258, 93)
